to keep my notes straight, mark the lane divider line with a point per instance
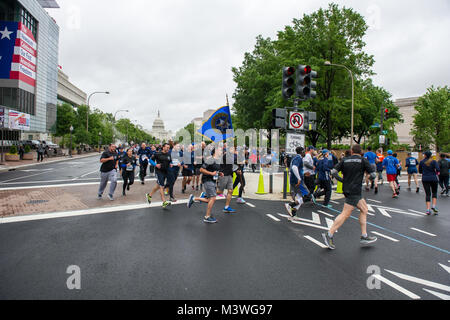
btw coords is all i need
(320, 244)
(438, 294)
(396, 287)
(250, 205)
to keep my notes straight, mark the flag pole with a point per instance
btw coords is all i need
(227, 99)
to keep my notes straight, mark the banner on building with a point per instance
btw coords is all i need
(2, 117)
(18, 51)
(18, 120)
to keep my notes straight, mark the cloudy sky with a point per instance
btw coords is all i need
(176, 56)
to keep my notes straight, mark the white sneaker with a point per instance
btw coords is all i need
(240, 200)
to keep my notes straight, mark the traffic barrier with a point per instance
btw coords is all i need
(261, 183)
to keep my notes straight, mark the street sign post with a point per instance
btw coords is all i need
(296, 120)
(294, 140)
(382, 139)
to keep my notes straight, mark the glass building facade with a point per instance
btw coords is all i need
(39, 100)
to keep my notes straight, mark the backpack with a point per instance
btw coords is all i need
(443, 166)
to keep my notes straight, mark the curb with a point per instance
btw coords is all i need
(65, 158)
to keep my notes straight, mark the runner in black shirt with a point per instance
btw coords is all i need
(353, 169)
(161, 161)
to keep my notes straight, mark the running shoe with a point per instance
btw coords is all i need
(409, 189)
(128, 187)
(110, 197)
(428, 212)
(368, 239)
(172, 199)
(329, 241)
(210, 219)
(240, 200)
(166, 204)
(395, 195)
(329, 206)
(229, 210)
(220, 195)
(417, 190)
(435, 211)
(203, 195)
(443, 191)
(142, 182)
(376, 190)
(190, 201)
(196, 188)
(148, 198)
(289, 210)
(367, 188)
(166, 192)
(313, 199)
(99, 197)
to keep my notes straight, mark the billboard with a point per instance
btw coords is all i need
(18, 51)
(18, 120)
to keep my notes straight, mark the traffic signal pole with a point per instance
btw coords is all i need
(381, 126)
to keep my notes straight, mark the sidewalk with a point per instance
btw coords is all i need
(11, 165)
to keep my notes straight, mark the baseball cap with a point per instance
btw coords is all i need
(389, 152)
(325, 151)
(427, 154)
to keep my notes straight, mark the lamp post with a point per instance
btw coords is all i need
(99, 141)
(122, 110)
(87, 112)
(328, 63)
(70, 143)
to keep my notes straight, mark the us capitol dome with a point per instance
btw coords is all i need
(159, 131)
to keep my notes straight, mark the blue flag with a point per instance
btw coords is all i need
(215, 128)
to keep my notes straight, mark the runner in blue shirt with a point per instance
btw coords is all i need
(372, 157)
(411, 166)
(391, 164)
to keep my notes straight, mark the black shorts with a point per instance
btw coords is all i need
(187, 172)
(161, 178)
(352, 199)
(197, 168)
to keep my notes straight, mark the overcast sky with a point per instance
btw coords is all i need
(176, 56)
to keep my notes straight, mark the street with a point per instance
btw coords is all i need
(256, 253)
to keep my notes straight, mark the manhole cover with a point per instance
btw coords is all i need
(36, 201)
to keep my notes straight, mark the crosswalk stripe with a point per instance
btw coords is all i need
(396, 287)
(320, 244)
(418, 230)
(250, 205)
(273, 218)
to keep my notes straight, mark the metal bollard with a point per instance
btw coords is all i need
(284, 184)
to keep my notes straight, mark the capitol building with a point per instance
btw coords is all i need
(158, 130)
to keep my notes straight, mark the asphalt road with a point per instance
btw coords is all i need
(153, 253)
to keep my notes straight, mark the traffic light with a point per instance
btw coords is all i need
(288, 82)
(386, 113)
(305, 84)
(279, 118)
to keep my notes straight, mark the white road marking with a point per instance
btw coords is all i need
(320, 244)
(384, 236)
(370, 208)
(24, 177)
(327, 214)
(86, 174)
(384, 212)
(329, 223)
(430, 234)
(315, 219)
(75, 213)
(309, 225)
(250, 205)
(438, 294)
(335, 202)
(420, 281)
(446, 268)
(396, 287)
(375, 201)
(273, 218)
(424, 214)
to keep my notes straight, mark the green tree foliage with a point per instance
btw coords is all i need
(334, 34)
(432, 121)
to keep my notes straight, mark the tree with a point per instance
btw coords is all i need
(431, 124)
(65, 117)
(331, 34)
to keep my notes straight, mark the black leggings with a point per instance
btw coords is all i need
(239, 180)
(128, 178)
(431, 188)
(443, 182)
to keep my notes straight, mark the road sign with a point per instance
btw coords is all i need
(294, 140)
(382, 140)
(296, 120)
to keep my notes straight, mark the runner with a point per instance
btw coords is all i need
(225, 181)
(309, 170)
(198, 159)
(128, 164)
(353, 169)
(188, 169)
(379, 161)
(298, 188)
(411, 166)
(174, 169)
(210, 174)
(240, 180)
(429, 169)
(372, 157)
(444, 174)
(391, 164)
(144, 154)
(108, 172)
(161, 161)
(324, 166)
(399, 172)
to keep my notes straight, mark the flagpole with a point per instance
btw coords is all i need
(227, 99)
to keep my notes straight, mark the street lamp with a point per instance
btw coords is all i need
(328, 63)
(87, 113)
(123, 110)
(70, 145)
